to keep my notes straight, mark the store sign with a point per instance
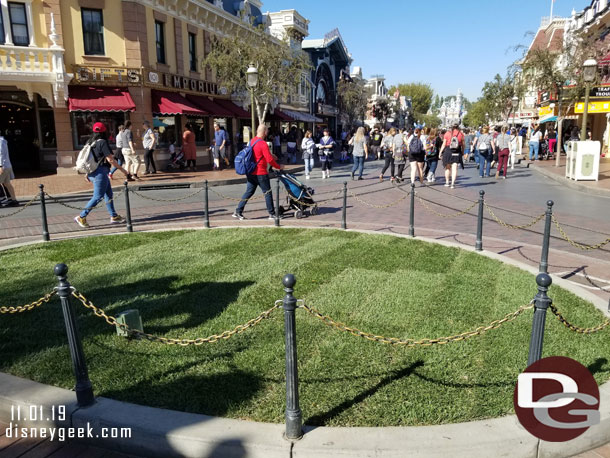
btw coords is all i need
(601, 91)
(181, 83)
(601, 106)
(545, 111)
(524, 114)
(107, 75)
(327, 110)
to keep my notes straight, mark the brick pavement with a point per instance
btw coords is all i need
(558, 173)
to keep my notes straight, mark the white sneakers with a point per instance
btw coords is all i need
(307, 177)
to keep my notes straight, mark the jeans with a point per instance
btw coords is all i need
(389, 162)
(485, 158)
(358, 165)
(149, 161)
(534, 149)
(254, 181)
(101, 189)
(114, 169)
(431, 167)
(477, 157)
(308, 164)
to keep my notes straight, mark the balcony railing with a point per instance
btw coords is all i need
(30, 61)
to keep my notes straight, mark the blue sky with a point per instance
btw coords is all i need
(448, 44)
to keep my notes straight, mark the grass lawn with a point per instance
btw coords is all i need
(195, 283)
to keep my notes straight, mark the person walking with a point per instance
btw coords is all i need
(291, 145)
(468, 139)
(189, 148)
(502, 145)
(118, 152)
(522, 134)
(220, 145)
(6, 175)
(417, 155)
(514, 147)
(451, 153)
(360, 152)
(99, 177)
(551, 136)
(260, 176)
(399, 149)
(386, 148)
(432, 147)
(149, 142)
(484, 146)
(325, 153)
(132, 159)
(308, 146)
(535, 138)
(376, 139)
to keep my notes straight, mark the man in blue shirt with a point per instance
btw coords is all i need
(220, 146)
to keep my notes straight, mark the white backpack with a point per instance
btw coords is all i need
(85, 162)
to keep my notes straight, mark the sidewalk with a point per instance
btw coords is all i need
(27, 185)
(600, 188)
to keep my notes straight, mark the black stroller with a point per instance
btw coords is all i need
(299, 196)
(176, 161)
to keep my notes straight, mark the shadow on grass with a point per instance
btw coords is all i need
(598, 366)
(323, 418)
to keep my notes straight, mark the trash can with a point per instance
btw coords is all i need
(582, 162)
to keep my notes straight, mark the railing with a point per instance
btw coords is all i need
(26, 59)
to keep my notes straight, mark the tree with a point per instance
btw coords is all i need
(429, 120)
(420, 94)
(280, 67)
(352, 98)
(498, 95)
(382, 110)
(476, 114)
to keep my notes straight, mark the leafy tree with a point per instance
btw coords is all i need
(420, 94)
(382, 110)
(429, 120)
(279, 67)
(498, 95)
(476, 114)
(352, 98)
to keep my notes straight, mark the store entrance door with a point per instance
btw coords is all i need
(18, 126)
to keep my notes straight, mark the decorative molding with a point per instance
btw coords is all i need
(159, 16)
(93, 4)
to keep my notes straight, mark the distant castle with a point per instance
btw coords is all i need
(452, 111)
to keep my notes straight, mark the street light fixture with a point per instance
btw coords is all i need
(252, 81)
(589, 71)
(515, 102)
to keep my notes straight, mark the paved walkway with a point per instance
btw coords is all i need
(601, 187)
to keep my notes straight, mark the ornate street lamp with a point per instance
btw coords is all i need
(589, 71)
(515, 102)
(252, 81)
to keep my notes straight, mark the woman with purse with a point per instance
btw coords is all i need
(432, 147)
(484, 145)
(308, 146)
(386, 148)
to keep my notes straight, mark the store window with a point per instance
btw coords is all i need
(193, 52)
(19, 24)
(82, 123)
(47, 129)
(160, 41)
(200, 129)
(166, 126)
(93, 31)
(2, 35)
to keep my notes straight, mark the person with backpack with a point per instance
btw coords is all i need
(386, 148)
(484, 145)
(308, 147)
(360, 152)
(376, 139)
(432, 146)
(451, 153)
(102, 156)
(325, 152)
(417, 155)
(502, 146)
(535, 138)
(259, 176)
(399, 149)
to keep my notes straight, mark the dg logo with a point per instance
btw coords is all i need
(557, 399)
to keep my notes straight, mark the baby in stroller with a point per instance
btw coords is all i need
(176, 158)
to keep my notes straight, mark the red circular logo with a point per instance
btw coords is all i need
(557, 399)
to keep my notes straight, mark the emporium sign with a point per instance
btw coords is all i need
(122, 76)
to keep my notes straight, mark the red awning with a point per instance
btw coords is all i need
(210, 106)
(172, 103)
(89, 98)
(278, 115)
(237, 111)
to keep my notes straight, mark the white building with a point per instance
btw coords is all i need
(452, 111)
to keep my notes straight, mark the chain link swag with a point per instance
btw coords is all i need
(223, 196)
(444, 215)
(26, 308)
(580, 246)
(57, 201)
(363, 202)
(167, 200)
(513, 226)
(575, 328)
(21, 209)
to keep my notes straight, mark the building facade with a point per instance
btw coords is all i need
(452, 110)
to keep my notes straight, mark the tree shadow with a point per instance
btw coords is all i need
(598, 366)
(323, 418)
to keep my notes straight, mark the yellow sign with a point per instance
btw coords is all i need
(545, 111)
(599, 106)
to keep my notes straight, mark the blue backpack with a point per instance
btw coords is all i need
(244, 161)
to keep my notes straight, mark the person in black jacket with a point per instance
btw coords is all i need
(99, 177)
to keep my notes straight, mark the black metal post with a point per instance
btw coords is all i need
(277, 202)
(344, 212)
(294, 416)
(207, 207)
(127, 209)
(478, 246)
(541, 304)
(43, 211)
(412, 212)
(84, 390)
(544, 256)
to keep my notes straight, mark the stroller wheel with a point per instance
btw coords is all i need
(298, 214)
(313, 210)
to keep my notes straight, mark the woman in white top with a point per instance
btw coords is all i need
(514, 147)
(535, 138)
(308, 146)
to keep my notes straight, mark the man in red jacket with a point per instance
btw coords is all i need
(259, 177)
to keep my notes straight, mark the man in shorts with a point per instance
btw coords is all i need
(6, 175)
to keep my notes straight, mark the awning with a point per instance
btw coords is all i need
(550, 118)
(278, 115)
(172, 103)
(210, 106)
(237, 111)
(90, 98)
(301, 116)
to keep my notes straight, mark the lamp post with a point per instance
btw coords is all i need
(487, 118)
(515, 102)
(252, 80)
(589, 69)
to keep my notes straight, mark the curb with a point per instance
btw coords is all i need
(572, 184)
(165, 433)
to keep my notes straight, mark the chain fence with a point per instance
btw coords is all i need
(368, 204)
(73, 207)
(26, 308)
(26, 205)
(444, 215)
(223, 196)
(426, 342)
(580, 246)
(575, 328)
(143, 196)
(111, 320)
(318, 203)
(513, 226)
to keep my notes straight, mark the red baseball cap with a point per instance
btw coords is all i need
(99, 127)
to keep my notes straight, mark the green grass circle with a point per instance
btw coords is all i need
(196, 283)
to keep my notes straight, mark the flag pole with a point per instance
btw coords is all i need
(552, 3)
